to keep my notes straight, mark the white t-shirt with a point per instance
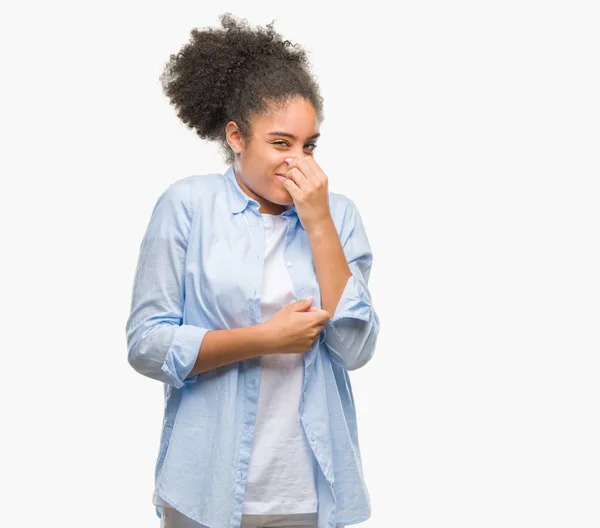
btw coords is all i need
(281, 476)
(282, 473)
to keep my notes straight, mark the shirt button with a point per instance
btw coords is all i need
(289, 263)
(251, 383)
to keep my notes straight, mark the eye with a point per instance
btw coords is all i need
(285, 144)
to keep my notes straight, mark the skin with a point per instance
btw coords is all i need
(257, 162)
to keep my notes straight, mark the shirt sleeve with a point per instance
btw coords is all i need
(159, 345)
(351, 333)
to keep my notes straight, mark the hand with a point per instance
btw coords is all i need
(308, 186)
(294, 328)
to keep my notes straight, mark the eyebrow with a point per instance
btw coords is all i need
(291, 136)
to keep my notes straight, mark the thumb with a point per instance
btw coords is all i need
(305, 302)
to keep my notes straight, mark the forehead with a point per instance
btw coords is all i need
(297, 117)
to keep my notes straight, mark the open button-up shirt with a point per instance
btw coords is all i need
(200, 268)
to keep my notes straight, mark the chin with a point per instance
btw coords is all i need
(282, 201)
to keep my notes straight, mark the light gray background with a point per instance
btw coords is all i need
(467, 133)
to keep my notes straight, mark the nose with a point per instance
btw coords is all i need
(300, 155)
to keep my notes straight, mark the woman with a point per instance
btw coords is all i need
(251, 303)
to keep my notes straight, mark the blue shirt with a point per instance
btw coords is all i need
(200, 268)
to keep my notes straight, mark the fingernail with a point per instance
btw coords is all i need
(287, 160)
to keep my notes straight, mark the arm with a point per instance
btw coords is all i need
(159, 345)
(343, 266)
(221, 347)
(330, 263)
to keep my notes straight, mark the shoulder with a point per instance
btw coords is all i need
(192, 191)
(198, 184)
(342, 209)
(339, 202)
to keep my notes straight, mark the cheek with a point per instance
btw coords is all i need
(274, 158)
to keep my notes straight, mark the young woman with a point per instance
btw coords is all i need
(251, 303)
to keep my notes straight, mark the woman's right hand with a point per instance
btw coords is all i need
(294, 328)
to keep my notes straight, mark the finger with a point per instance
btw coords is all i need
(308, 169)
(292, 188)
(302, 165)
(297, 176)
(319, 319)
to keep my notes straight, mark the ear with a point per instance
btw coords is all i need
(234, 138)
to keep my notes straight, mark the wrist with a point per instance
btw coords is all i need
(321, 228)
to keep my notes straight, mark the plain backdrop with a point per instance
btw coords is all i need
(467, 133)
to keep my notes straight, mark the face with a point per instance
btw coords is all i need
(287, 133)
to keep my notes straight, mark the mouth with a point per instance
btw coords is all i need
(281, 177)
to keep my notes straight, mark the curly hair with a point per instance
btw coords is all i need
(236, 73)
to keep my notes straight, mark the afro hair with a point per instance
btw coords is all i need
(235, 73)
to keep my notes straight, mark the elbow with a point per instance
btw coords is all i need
(368, 342)
(134, 357)
(352, 342)
(166, 353)
(146, 352)
(366, 352)
(140, 359)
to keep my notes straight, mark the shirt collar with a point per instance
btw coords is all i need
(239, 200)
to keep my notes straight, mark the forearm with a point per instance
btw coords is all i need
(221, 347)
(331, 267)
(343, 265)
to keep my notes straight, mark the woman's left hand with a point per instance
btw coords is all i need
(308, 186)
